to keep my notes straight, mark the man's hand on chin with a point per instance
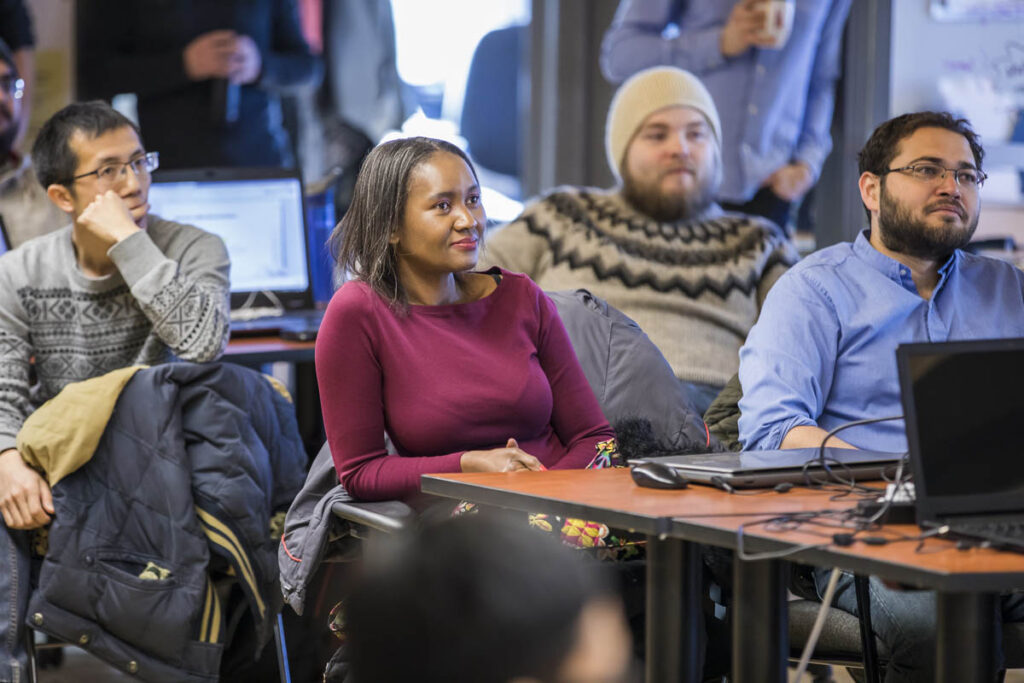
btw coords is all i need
(25, 498)
(109, 219)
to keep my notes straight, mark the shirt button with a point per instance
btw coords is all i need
(903, 272)
(752, 109)
(760, 69)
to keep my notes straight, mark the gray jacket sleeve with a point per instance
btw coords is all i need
(187, 300)
(628, 374)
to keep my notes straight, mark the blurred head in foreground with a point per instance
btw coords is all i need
(471, 599)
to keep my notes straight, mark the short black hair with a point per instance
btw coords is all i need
(884, 144)
(448, 606)
(52, 157)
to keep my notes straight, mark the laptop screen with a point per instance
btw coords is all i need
(260, 220)
(964, 408)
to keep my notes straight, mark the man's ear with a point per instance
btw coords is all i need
(61, 197)
(870, 190)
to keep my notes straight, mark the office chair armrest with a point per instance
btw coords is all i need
(391, 516)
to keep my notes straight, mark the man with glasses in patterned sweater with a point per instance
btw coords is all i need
(823, 352)
(117, 287)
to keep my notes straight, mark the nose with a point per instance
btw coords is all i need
(465, 219)
(678, 144)
(948, 185)
(129, 180)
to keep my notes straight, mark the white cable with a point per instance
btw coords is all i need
(819, 623)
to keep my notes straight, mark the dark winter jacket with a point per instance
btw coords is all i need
(177, 497)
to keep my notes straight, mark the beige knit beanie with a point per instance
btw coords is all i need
(645, 93)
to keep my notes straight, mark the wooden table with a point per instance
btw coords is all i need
(676, 521)
(270, 349)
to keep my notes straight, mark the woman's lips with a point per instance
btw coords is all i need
(466, 244)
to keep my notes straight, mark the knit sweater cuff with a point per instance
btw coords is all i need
(135, 256)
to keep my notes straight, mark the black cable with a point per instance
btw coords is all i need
(847, 425)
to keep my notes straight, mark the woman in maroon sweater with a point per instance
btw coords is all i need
(465, 371)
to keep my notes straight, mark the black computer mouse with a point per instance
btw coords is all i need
(655, 475)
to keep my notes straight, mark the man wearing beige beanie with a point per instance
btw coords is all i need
(656, 246)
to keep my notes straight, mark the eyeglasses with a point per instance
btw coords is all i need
(12, 85)
(108, 174)
(970, 178)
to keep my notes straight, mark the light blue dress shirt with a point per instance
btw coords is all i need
(775, 105)
(823, 351)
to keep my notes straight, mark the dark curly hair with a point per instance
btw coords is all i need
(884, 144)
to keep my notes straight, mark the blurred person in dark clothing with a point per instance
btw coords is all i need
(208, 75)
(16, 31)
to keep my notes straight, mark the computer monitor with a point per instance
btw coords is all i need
(259, 213)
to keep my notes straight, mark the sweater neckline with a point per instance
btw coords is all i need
(466, 306)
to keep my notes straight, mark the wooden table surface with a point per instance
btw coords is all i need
(708, 515)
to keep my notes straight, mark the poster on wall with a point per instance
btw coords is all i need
(978, 10)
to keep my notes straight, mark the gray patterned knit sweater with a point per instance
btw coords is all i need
(168, 297)
(695, 287)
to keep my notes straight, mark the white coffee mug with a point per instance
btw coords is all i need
(778, 21)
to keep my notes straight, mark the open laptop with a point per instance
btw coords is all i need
(260, 215)
(964, 409)
(762, 469)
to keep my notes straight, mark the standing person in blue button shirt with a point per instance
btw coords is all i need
(823, 351)
(775, 100)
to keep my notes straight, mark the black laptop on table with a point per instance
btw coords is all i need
(260, 215)
(964, 409)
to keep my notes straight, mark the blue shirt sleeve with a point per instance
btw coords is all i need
(815, 141)
(635, 42)
(788, 361)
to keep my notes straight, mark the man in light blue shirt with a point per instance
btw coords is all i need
(823, 351)
(775, 101)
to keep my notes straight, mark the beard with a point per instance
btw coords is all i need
(670, 207)
(903, 233)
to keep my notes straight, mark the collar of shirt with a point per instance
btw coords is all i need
(896, 271)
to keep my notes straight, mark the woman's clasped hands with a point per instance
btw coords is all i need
(507, 459)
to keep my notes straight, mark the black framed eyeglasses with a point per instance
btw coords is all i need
(12, 85)
(933, 173)
(108, 174)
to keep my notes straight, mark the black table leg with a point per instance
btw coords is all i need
(307, 408)
(965, 639)
(760, 643)
(674, 617)
(867, 632)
